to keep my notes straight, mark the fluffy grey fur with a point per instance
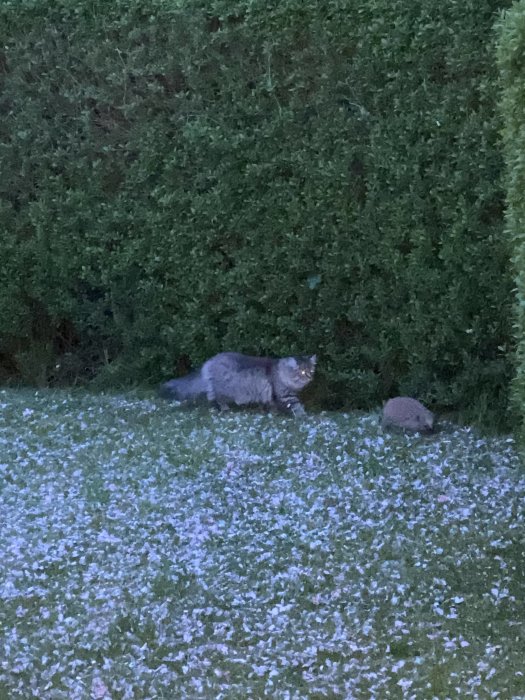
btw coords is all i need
(186, 388)
(230, 377)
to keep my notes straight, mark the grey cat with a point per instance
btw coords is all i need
(230, 377)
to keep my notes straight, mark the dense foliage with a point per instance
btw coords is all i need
(273, 177)
(511, 50)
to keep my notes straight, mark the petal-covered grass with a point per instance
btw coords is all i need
(148, 551)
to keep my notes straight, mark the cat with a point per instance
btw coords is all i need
(408, 414)
(231, 377)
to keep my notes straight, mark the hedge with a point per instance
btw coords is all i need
(511, 54)
(271, 177)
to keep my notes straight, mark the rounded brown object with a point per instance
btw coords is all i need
(408, 414)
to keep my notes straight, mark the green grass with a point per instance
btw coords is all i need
(152, 552)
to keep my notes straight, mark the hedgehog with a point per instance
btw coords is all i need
(407, 414)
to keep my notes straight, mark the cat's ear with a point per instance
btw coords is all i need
(313, 360)
(291, 362)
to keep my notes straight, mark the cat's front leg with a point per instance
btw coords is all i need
(297, 410)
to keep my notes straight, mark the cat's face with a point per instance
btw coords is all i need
(300, 370)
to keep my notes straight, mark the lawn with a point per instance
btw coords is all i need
(152, 552)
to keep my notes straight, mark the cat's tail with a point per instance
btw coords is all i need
(186, 388)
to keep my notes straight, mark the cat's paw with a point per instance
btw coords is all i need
(297, 410)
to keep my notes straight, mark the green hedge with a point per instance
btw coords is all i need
(277, 177)
(511, 55)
